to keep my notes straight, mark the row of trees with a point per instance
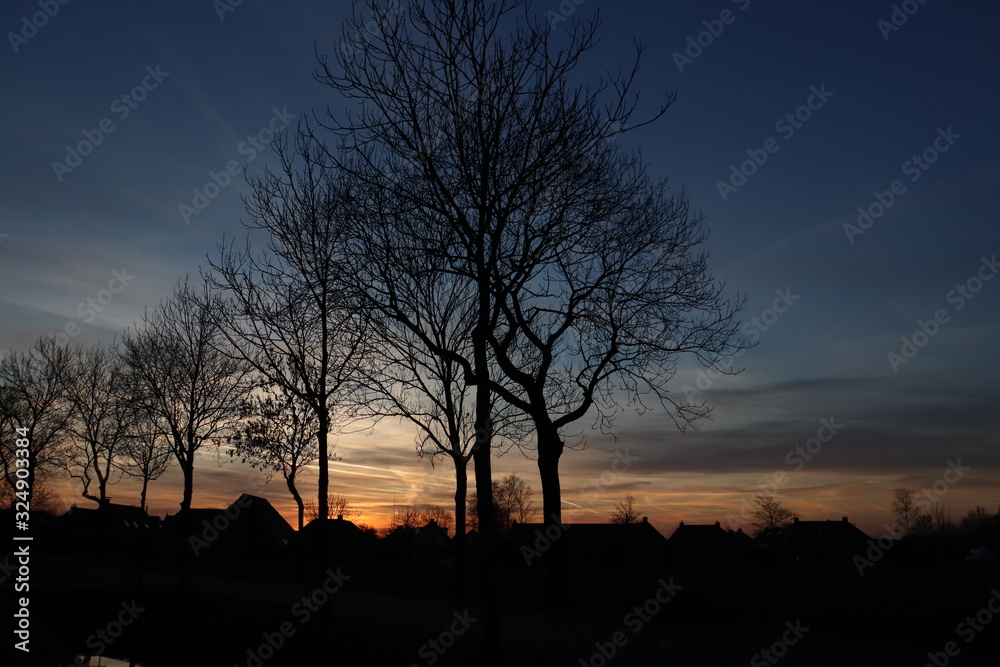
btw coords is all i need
(81, 419)
(925, 518)
(467, 248)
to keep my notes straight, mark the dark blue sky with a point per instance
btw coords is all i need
(864, 101)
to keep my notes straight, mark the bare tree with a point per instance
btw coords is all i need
(905, 508)
(475, 149)
(291, 317)
(182, 378)
(511, 503)
(935, 520)
(103, 421)
(278, 437)
(438, 515)
(409, 380)
(769, 514)
(979, 521)
(405, 519)
(147, 454)
(625, 512)
(34, 412)
(342, 506)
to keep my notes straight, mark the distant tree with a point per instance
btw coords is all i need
(33, 387)
(905, 508)
(511, 503)
(43, 497)
(933, 521)
(341, 505)
(625, 512)
(183, 379)
(405, 519)
(104, 419)
(769, 514)
(438, 515)
(278, 436)
(146, 455)
(979, 521)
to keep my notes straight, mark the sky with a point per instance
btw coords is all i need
(844, 155)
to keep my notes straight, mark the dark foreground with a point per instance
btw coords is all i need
(269, 615)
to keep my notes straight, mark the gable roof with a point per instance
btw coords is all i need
(821, 531)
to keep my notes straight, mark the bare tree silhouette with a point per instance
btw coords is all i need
(103, 420)
(33, 388)
(146, 455)
(290, 316)
(472, 147)
(625, 512)
(278, 436)
(769, 514)
(180, 375)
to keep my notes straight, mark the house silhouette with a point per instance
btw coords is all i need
(596, 543)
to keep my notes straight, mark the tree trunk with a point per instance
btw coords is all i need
(290, 483)
(142, 494)
(323, 484)
(461, 554)
(550, 447)
(482, 463)
(187, 467)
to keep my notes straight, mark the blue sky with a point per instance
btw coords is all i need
(203, 87)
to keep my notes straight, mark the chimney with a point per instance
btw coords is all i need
(645, 519)
(340, 517)
(795, 519)
(682, 523)
(844, 519)
(718, 525)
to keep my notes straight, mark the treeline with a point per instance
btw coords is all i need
(469, 248)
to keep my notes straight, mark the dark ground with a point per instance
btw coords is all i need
(388, 615)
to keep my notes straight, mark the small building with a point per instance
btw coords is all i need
(250, 529)
(331, 540)
(431, 545)
(704, 544)
(602, 544)
(808, 542)
(111, 529)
